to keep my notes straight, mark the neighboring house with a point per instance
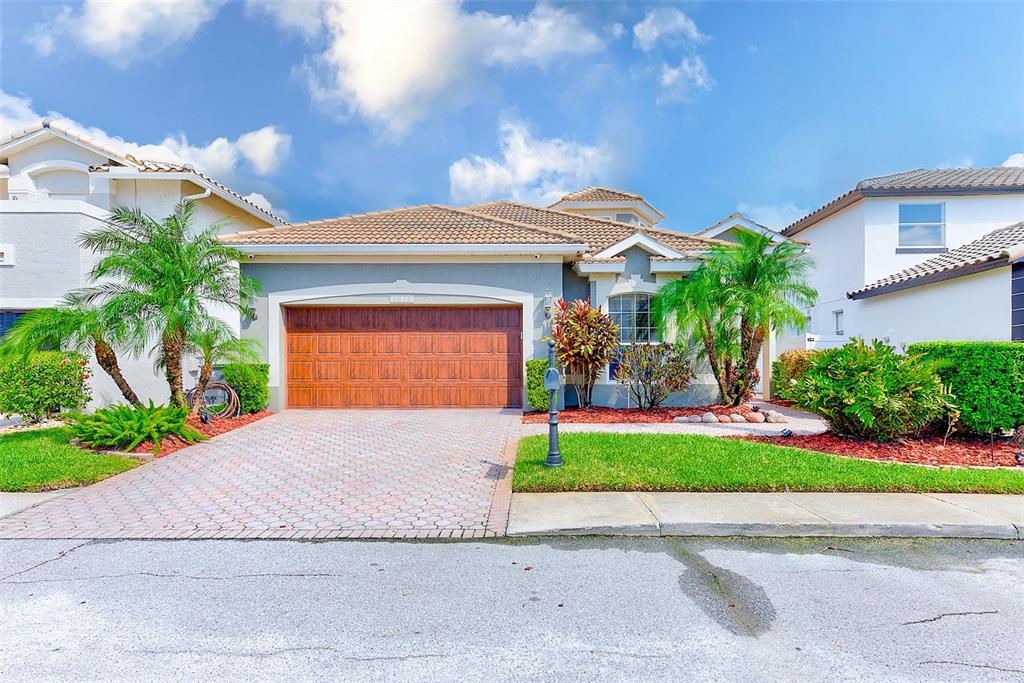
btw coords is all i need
(436, 306)
(896, 258)
(56, 185)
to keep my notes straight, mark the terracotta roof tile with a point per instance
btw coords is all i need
(425, 224)
(598, 233)
(600, 194)
(995, 246)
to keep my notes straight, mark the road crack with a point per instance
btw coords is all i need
(947, 614)
(60, 556)
(972, 665)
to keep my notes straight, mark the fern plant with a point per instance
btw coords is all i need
(125, 427)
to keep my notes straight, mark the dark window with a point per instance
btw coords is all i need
(7, 319)
(1017, 302)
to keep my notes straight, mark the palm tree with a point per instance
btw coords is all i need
(735, 298)
(165, 275)
(214, 343)
(76, 326)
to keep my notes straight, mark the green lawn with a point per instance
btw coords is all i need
(42, 459)
(674, 462)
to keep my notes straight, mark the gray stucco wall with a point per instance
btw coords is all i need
(574, 286)
(528, 278)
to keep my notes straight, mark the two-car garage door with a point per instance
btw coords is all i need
(403, 357)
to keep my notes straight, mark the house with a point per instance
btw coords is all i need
(437, 306)
(55, 185)
(923, 255)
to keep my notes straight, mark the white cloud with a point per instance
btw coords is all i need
(616, 30)
(302, 16)
(774, 216)
(126, 30)
(392, 63)
(1016, 160)
(668, 24)
(262, 149)
(678, 83)
(264, 203)
(529, 169)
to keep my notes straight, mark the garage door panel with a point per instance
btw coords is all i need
(414, 357)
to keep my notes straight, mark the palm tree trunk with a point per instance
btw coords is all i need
(205, 372)
(173, 346)
(107, 359)
(751, 339)
(714, 362)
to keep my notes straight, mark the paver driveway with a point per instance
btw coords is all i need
(307, 474)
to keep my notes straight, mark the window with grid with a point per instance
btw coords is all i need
(632, 313)
(922, 225)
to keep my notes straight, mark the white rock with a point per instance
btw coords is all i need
(693, 418)
(681, 418)
(709, 417)
(736, 417)
(775, 417)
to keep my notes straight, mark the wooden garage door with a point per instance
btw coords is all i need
(404, 357)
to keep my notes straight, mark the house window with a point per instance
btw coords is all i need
(922, 226)
(837, 322)
(7, 319)
(1017, 302)
(632, 313)
(626, 218)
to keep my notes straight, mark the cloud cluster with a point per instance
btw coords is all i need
(262, 151)
(1015, 160)
(124, 31)
(671, 27)
(774, 216)
(528, 168)
(393, 63)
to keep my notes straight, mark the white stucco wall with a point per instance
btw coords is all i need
(44, 231)
(973, 307)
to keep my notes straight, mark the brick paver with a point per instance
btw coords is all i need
(306, 474)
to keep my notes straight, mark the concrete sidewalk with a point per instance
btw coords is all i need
(950, 515)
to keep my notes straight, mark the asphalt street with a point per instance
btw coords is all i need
(512, 610)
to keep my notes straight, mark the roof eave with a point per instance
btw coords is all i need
(972, 269)
(364, 249)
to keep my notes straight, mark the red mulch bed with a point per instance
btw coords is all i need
(213, 428)
(601, 415)
(929, 450)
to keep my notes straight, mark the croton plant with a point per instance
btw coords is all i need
(585, 340)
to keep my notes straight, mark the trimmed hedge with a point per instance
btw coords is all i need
(986, 378)
(43, 383)
(536, 395)
(251, 381)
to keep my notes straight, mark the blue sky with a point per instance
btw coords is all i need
(325, 108)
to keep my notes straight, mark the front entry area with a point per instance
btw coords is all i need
(404, 356)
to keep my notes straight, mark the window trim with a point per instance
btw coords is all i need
(921, 248)
(839, 322)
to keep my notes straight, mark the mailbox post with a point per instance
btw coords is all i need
(552, 382)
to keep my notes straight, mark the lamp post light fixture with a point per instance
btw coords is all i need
(553, 382)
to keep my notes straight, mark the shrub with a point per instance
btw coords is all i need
(43, 383)
(537, 396)
(873, 392)
(251, 381)
(789, 369)
(987, 379)
(125, 427)
(652, 372)
(584, 341)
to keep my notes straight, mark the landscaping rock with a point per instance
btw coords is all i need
(775, 417)
(755, 417)
(724, 418)
(709, 417)
(736, 417)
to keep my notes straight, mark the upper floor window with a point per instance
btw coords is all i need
(922, 225)
(627, 218)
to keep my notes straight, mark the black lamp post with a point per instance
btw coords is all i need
(552, 383)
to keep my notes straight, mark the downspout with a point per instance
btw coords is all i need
(200, 195)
